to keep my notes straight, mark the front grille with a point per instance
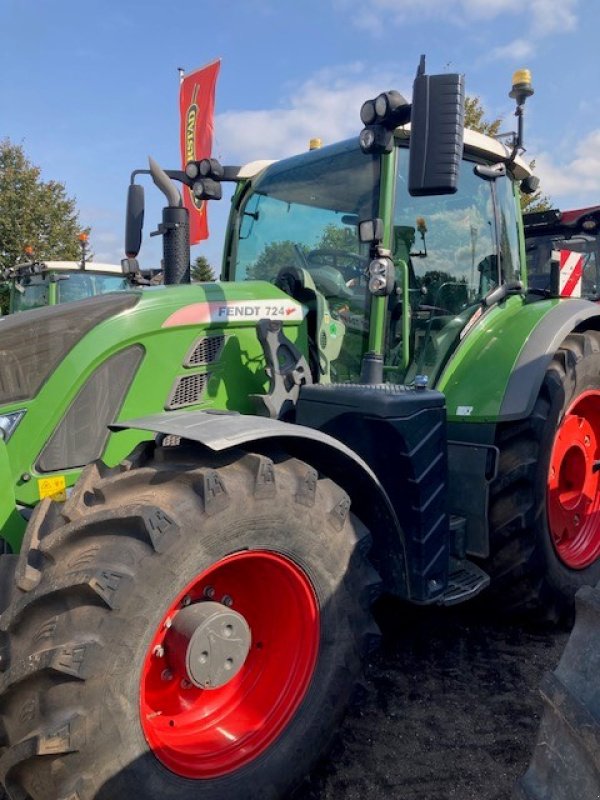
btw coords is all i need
(187, 391)
(204, 351)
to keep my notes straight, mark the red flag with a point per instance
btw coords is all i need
(196, 106)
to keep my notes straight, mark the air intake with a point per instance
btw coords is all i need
(205, 351)
(187, 391)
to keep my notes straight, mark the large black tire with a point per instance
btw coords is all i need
(96, 578)
(527, 570)
(566, 759)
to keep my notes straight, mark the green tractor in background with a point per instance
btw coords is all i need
(37, 284)
(371, 399)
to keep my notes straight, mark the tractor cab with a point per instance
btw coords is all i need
(47, 283)
(299, 224)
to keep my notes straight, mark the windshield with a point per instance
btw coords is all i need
(30, 292)
(539, 256)
(33, 291)
(79, 285)
(299, 224)
(457, 248)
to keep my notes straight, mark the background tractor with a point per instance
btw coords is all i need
(370, 399)
(36, 284)
(548, 232)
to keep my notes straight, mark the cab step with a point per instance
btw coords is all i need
(465, 580)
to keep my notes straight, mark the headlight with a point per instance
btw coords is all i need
(8, 423)
(381, 276)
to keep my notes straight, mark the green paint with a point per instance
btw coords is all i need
(12, 523)
(379, 305)
(477, 375)
(238, 373)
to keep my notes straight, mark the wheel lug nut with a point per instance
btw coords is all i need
(166, 675)
(159, 651)
(186, 600)
(209, 592)
(185, 684)
(227, 600)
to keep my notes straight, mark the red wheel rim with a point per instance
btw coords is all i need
(574, 483)
(204, 733)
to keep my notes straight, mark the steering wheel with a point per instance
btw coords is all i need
(351, 265)
(435, 311)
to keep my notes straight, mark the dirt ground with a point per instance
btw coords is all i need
(450, 709)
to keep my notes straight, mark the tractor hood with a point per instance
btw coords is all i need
(34, 343)
(237, 303)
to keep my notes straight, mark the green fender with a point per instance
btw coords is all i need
(497, 370)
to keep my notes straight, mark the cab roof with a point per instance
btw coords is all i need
(477, 144)
(90, 266)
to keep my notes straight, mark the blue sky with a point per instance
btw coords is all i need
(90, 88)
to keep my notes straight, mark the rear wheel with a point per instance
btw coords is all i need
(545, 503)
(183, 625)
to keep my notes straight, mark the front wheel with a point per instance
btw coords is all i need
(545, 502)
(183, 627)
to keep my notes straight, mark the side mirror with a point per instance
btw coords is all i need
(370, 231)
(134, 220)
(436, 133)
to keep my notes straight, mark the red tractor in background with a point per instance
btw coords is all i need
(564, 234)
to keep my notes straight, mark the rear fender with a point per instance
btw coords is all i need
(222, 431)
(496, 372)
(538, 351)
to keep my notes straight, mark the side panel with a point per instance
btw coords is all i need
(169, 323)
(12, 524)
(497, 370)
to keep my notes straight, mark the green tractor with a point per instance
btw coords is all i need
(370, 400)
(36, 284)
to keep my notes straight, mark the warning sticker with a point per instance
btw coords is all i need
(55, 487)
(236, 311)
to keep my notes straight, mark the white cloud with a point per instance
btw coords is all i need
(577, 177)
(550, 16)
(517, 50)
(325, 106)
(106, 245)
(542, 17)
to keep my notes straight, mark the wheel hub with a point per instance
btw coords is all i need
(221, 680)
(209, 643)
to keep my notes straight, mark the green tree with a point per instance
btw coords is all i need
(475, 118)
(202, 270)
(33, 212)
(275, 256)
(337, 237)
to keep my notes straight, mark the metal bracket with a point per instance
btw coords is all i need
(286, 368)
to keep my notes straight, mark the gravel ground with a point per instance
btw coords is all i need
(449, 709)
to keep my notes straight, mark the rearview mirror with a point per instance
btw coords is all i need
(134, 220)
(436, 134)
